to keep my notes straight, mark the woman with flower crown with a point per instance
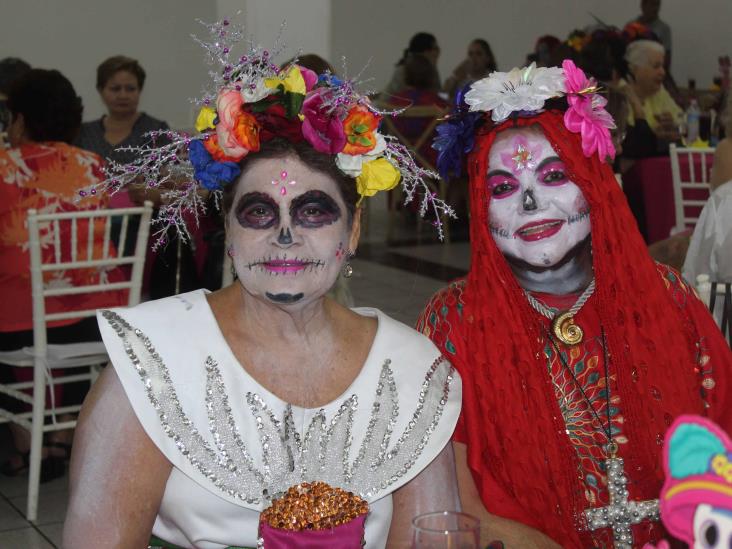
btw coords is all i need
(217, 404)
(576, 350)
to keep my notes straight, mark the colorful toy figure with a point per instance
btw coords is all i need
(696, 500)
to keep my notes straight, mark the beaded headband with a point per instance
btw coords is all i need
(251, 101)
(525, 92)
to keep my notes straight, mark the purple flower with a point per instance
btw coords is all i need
(212, 175)
(455, 138)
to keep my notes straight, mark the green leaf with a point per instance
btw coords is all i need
(293, 104)
(360, 128)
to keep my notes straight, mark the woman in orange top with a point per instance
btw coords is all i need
(42, 170)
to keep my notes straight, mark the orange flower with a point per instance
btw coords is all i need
(360, 129)
(214, 149)
(246, 131)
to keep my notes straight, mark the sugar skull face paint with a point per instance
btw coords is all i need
(536, 214)
(712, 527)
(283, 243)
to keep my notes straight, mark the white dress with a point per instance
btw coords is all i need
(233, 444)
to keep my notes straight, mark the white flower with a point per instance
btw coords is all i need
(519, 90)
(350, 164)
(259, 91)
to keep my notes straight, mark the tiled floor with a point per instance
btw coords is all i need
(400, 288)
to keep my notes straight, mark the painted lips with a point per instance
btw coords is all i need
(539, 230)
(285, 265)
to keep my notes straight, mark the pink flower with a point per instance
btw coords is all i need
(309, 77)
(586, 114)
(322, 126)
(228, 109)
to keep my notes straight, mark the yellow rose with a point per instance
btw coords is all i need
(205, 119)
(293, 81)
(377, 175)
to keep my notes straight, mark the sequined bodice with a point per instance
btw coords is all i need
(231, 440)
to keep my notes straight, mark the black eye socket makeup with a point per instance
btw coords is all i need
(257, 211)
(314, 209)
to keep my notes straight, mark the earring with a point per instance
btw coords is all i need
(230, 250)
(347, 270)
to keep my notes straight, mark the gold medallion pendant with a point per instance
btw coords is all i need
(565, 330)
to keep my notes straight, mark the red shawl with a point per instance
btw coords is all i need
(512, 422)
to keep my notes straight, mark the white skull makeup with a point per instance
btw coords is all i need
(712, 528)
(536, 214)
(288, 247)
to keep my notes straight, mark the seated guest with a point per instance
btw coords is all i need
(722, 166)
(419, 74)
(646, 71)
(604, 58)
(42, 170)
(422, 44)
(120, 81)
(11, 68)
(710, 251)
(264, 385)
(479, 63)
(576, 349)
(544, 51)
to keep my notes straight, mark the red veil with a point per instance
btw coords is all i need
(652, 348)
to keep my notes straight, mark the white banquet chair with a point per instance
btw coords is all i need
(75, 251)
(687, 190)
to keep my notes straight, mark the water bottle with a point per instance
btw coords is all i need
(692, 122)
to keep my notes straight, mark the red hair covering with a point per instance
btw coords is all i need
(646, 337)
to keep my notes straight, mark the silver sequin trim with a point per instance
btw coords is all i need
(323, 453)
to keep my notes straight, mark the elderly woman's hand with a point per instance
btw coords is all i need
(667, 128)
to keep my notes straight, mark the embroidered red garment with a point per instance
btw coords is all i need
(667, 355)
(47, 177)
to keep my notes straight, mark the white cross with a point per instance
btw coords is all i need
(621, 514)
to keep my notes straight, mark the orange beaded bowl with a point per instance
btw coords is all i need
(314, 514)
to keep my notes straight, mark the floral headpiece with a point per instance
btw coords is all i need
(525, 92)
(253, 101)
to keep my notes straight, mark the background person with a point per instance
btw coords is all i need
(42, 170)
(479, 63)
(421, 44)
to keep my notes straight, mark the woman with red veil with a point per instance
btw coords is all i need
(577, 351)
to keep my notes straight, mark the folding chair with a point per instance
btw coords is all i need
(57, 243)
(691, 184)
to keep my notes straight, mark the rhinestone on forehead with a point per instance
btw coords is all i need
(523, 158)
(283, 182)
(323, 453)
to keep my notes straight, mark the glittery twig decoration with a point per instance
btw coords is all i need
(165, 168)
(246, 71)
(413, 181)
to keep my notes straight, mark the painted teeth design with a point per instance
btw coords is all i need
(291, 266)
(539, 228)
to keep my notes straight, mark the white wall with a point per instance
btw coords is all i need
(381, 29)
(74, 36)
(307, 23)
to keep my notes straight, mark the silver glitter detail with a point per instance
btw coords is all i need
(621, 514)
(322, 454)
